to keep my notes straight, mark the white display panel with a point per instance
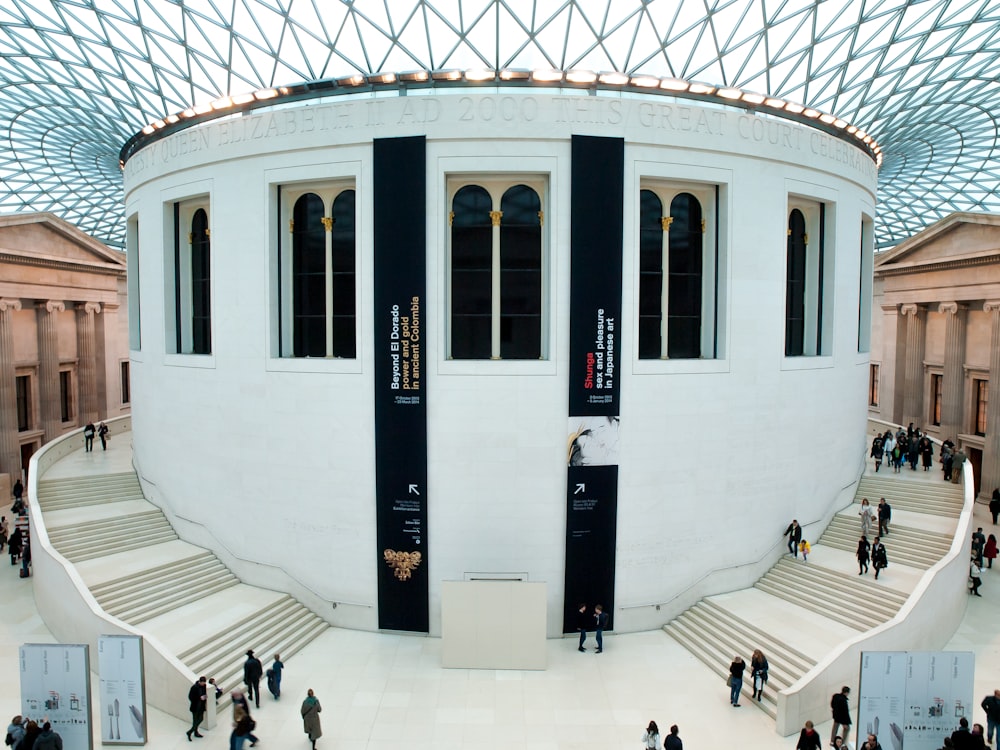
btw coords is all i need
(123, 691)
(55, 687)
(913, 700)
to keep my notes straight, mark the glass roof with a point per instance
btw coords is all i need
(79, 77)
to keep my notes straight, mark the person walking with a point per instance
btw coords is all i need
(805, 549)
(884, 516)
(808, 738)
(878, 450)
(863, 555)
(978, 545)
(794, 534)
(600, 622)
(866, 516)
(673, 740)
(651, 737)
(582, 621)
(995, 505)
(4, 531)
(991, 705)
(841, 712)
(253, 670)
(989, 552)
(15, 730)
(310, 717)
(736, 680)
(102, 433)
(197, 697)
(274, 684)
(958, 459)
(975, 575)
(243, 727)
(88, 437)
(880, 560)
(926, 453)
(758, 673)
(18, 491)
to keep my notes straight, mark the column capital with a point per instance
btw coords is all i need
(991, 305)
(52, 306)
(9, 304)
(951, 308)
(911, 309)
(89, 307)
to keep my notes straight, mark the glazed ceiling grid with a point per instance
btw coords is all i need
(80, 77)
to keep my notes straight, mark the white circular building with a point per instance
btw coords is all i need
(606, 337)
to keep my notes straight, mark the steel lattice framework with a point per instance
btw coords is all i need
(79, 77)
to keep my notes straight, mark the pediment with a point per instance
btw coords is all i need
(960, 236)
(46, 238)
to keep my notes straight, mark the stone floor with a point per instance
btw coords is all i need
(384, 692)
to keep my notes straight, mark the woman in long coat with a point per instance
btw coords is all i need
(310, 718)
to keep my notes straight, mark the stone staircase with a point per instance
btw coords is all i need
(139, 571)
(813, 606)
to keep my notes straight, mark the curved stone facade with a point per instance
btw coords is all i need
(716, 444)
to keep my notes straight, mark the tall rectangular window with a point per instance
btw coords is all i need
(936, 391)
(126, 384)
(873, 385)
(807, 326)
(23, 386)
(981, 389)
(678, 260)
(865, 284)
(317, 271)
(497, 269)
(132, 263)
(66, 395)
(192, 277)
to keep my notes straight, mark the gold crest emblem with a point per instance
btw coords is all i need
(402, 563)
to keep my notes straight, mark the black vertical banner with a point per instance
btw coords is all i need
(399, 207)
(597, 214)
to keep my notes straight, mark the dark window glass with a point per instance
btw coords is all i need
(308, 278)
(982, 388)
(684, 292)
(126, 384)
(23, 385)
(520, 274)
(650, 274)
(344, 307)
(936, 392)
(201, 285)
(795, 285)
(471, 274)
(873, 385)
(64, 396)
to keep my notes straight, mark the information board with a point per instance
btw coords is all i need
(123, 693)
(55, 687)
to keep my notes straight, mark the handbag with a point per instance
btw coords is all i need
(729, 681)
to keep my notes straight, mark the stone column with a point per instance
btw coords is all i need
(87, 354)
(913, 382)
(990, 478)
(48, 367)
(10, 448)
(953, 377)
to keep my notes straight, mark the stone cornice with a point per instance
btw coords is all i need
(18, 259)
(938, 265)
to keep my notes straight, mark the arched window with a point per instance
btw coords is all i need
(471, 274)
(189, 327)
(795, 285)
(201, 284)
(677, 274)
(520, 274)
(308, 278)
(317, 272)
(496, 272)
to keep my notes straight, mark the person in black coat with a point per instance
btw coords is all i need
(880, 559)
(841, 714)
(673, 741)
(995, 505)
(582, 621)
(197, 696)
(253, 670)
(794, 534)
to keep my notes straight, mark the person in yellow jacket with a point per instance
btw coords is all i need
(804, 548)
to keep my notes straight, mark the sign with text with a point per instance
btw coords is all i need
(55, 688)
(400, 392)
(597, 213)
(914, 699)
(123, 693)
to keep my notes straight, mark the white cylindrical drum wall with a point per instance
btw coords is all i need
(269, 458)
